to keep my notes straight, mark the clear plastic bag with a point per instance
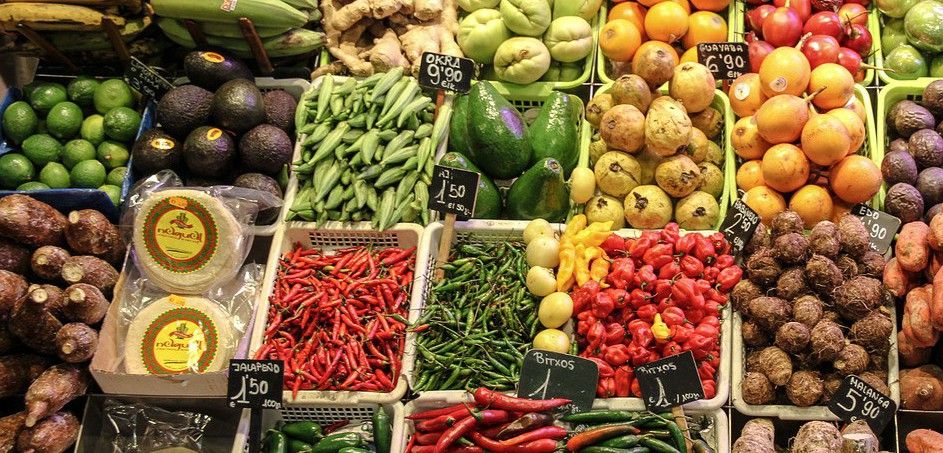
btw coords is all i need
(140, 428)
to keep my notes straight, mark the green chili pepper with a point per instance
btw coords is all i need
(307, 431)
(296, 446)
(676, 435)
(597, 449)
(658, 445)
(605, 416)
(627, 441)
(274, 442)
(334, 442)
(382, 430)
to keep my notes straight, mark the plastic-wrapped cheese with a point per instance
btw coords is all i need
(186, 241)
(179, 334)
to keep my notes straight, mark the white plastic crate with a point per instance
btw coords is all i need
(332, 237)
(323, 414)
(720, 429)
(789, 412)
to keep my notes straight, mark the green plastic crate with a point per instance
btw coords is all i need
(722, 104)
(602, 67)
(874, 26)
(870, 147)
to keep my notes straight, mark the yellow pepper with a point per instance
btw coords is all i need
(567, 265)
(660, 330)
(595, 234)
(581, 269)
(577, 223)
(599, 270)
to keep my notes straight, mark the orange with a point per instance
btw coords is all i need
(812, 203)
(704, 26)
(684, 4)
(784, 71)
(690, 55)
(710, 5)
(630, 11)
(855, 179)
(666, 21)
(785, 167)
(619, 40)
(750, 175)
(765, 201)
(651, 3)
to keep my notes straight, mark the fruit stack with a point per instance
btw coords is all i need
(74, 136)
(911, 40)
(801, 134)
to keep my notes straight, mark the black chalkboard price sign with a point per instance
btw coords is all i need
(739, 226)
(856, 400)
(547, 374)
(146, 80)
(725, 60)
(255, 384)
(670, 382)
(445, 72)
(454, 191)
(881, 226)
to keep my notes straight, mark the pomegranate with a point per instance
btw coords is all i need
(824, 23)
(820, 49)
(854, 13)
(758, 15)
(758, 52)
(783, 27)
(826, 5)
(858, 38)
(803, 7)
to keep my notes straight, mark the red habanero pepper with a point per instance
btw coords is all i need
(584, 295)
(711, 307)
(669, 270)
(583, 325)
(596, 335)
(657, 251)
(641, 246)
(712, 319)
(621, 272)
(694, 315)
(606, 388)
(702, 285)
(671, 348)
(619, 296)
(614, 245)
(707, 330)
(691, 266)
(705, 371)
(636, 388)
(603, 305)
(641, 332)
(604, 369)
(672, 316)
(638, 298)
(699, 345)
(716, 296)
(645, 277)
(729, 277)
(704, 250)
(711, 273)
(681, 332)
(646, 313)
(457, 431)
(490, 398)
(710, 388)
(616, 355)
(724, 261)
(713, 357)
(639, 355)
(670, 233)
(615, 333)
(697, 303)
(720, 243)
(685, 244)
(623, 381)
(662, 291)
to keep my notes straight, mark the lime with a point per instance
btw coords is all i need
(64, 120)
(113, 192)
(88, 174)
(29, 88)
(121, 123)
(112, 93)
(19, 121)
(46, 95)
(82, 90)
(32, 185)
(55, 175)
(42, 149)
(15, 169)
(93, 129)
(113, 154)
(76, 151)
(116, 176)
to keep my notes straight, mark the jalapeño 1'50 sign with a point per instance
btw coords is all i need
(454, 191)
(255, 384)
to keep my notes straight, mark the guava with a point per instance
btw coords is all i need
(892, 34)
(905, 63)
(924, 25)
(895, 8)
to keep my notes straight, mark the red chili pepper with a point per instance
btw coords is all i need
(432, 449)
(729, 277)
(606, 388)
(614, 245)
(433, 413)
(459, 429)
(603, 305)
(427, 438)
(489, 398)
(595, 435)
(546, 432)
(537, 446)
(621, 272)
(685, 244)
(615, 333)
(623, 381)
(616, 355)
(489, 417)
(672, 316)
(669, 270)
(442, 422)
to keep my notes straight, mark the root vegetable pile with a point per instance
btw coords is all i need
(337, 320)
(758, 436)
(56, 275)
(663, 295)
(814, 311)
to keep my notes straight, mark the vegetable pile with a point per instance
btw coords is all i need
(913, 164)
(349, 436)
(923, 441)
(504, 424)
(337, 320)
(814, 311)
(367, 150)
(758, 436)
(911, 42)
(657, 159)
(55, 287)
(477, 322)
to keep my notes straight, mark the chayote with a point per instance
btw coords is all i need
(569, 39)
(526, 17)
(586, 9)
(521, 60)
(480, 33)
(475, 5)
(563, 72)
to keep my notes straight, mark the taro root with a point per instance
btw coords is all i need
(53, 389)
(52, 297)
(753, 334)
(757, 389)
(793, 337)
(13, 257)
(832, 382)
(790, 248)
(878, 363)
(786, 222)
(33, 325)
(805, 388)
(921, 389)
(792, 283)
(85, 304)
(743, 293)
(824, 240)
(76, 342)
(858, 297)
(807, 310)
(30, 222)
(872, 332)
(877, 381)
(776, 365)
(761, 238)
(822, 275)
(89, 232)
(53, 434)
(817, 437)
(762, 267)
(847, 265)
(47, 261)
(769, 312)
(852, 359)
(827, 341)
(871, 264)
(91, 270)
(829, 315)
(752, 362)
(853, 235)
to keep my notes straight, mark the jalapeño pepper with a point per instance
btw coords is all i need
(298, 446)
(275, 442)
(382, 432)
(334, 442)
(309, 432)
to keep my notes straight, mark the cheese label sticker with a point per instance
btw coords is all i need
(162, 143)
(214, 133)
(180, 235)
(180, 340)
(214, 57)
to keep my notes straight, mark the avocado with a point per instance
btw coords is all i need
(458, 127)
(933, 97)
(209, 152)
(280, 109)
(238, 106)
(497, 134)
(899, 166)
(909, 117)
(926, 146)
(488, 203)
(904, 202)
(183, 109)
(265, 148)
(930, 185)
(154, 151)
(556, 132)
(263, 183)
(210, 70)
(539, 193)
